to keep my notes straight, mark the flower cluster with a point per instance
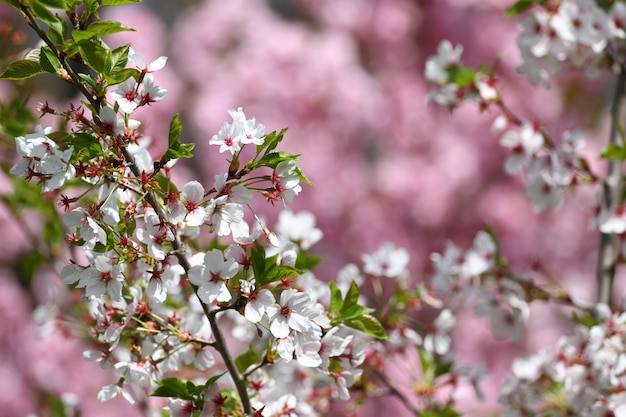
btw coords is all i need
(240, 132)
(477, 275)
(583, 375)
(568, 34)
(549, 169)
(43, 159)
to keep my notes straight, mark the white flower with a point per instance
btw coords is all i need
(192, 195)
(228, 137)
(293, 312)
(210, 277)
(154, 235)
(104, 276)
(299, 227)
(125, 95)
(387, 262)
(523, 145)
(110, 122)
(87, 227)
(543, 192)
(138, 60)
(286, 181)
(222, 215)
(485, 85)
(249, 132)
(481, 258)
(438, 338)
(437, 66)
(151, 92)
(258, 303)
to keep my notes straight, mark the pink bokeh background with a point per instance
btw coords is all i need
(346, 78)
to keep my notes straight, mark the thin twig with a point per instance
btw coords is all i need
(394, 391)
(32, 22)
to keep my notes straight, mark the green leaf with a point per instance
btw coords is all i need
(177, 149)
(22, 69)
(15, 117)
(54, 4)
(352, 297)
(271, 141)
(87, 79)
(447, 411)
(282, 272)
(461, 75)
(173, 388)
(180, 150)
(55, 406)
(257, 258)
(426, 359)
(42, 13)
(86, 147)
(48, 60)
(350, 307)
(176, 130)
(307, 262)
(212, 381)
(266, 270)
(14, 3)
(99, 29)
(91, 9)
(119, 2)
(58, 29)
(613, 152)
(272, 159)
(520, 7)
(165, 183)
(247, 359)
(369, 325)
(119, 59)
(119, 76)
(443, 368)
(336, 302)
(96, 55)
(303, 178)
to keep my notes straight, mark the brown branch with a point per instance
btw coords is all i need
(609, 252)
(151, 199)
(220, 342)
(394, 391)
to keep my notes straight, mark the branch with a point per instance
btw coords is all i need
(609, 243)
(394, 391)
(32, 22)
(220, 343)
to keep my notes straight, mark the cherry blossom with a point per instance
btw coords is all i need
(299, 228)
(210, 277)
(387, 262)
(292, 312)
(105, 276)
(192, 195)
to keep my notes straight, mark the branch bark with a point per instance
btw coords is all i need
(613, 185)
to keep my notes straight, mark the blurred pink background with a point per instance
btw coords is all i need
(346, 78)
